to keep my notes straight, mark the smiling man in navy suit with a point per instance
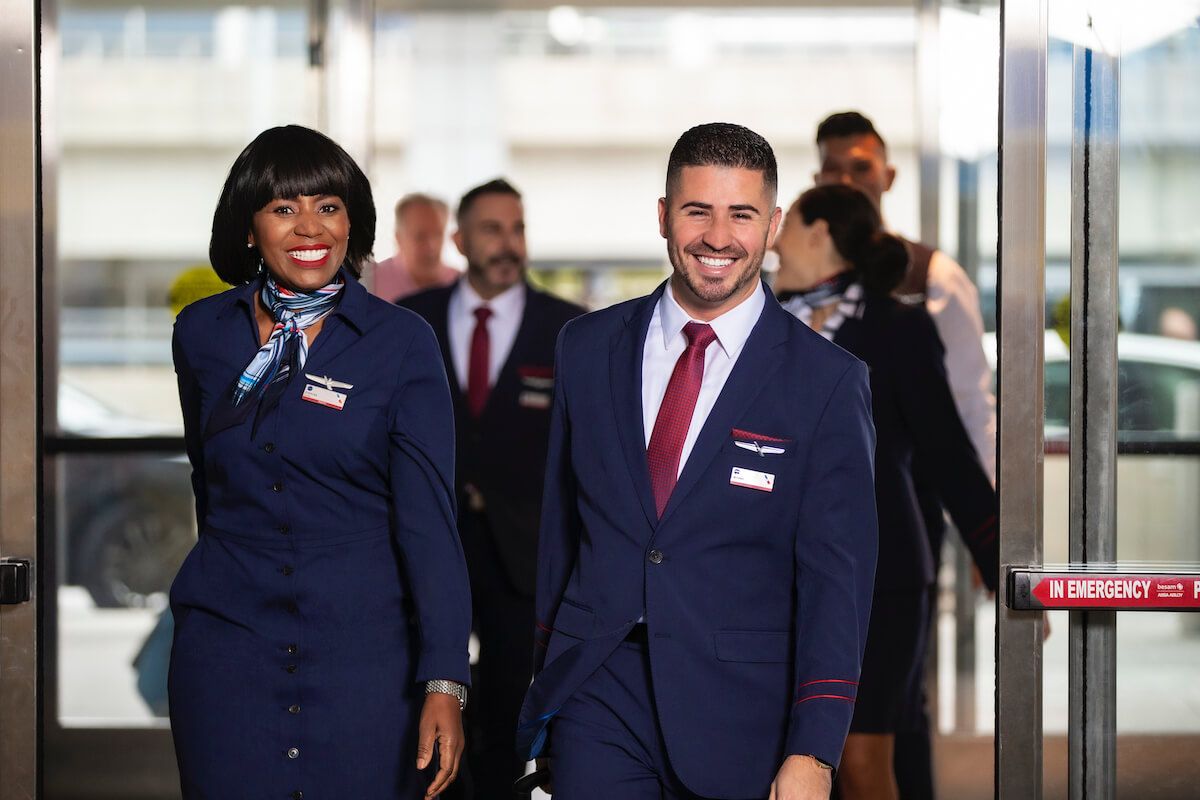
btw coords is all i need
(708, 536)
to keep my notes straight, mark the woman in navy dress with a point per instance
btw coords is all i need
(837, 268)
(322, 618)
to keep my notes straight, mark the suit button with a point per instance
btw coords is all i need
(277, 486)
(293, 752)
(269, 447)
(290, 668)
(285, 529)
(288, 569)
(293, 709)
(291, 648)
(656, 557)
(297, 795)
(292, 608)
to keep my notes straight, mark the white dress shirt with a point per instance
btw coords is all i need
(953, 302)
(507, 309)
(665, 342)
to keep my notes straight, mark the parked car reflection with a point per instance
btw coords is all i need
(126, 520)
(1158, 388)
(1158, 473)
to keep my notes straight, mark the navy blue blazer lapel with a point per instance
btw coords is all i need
(760, 358)
(625, 367)
(439, 320)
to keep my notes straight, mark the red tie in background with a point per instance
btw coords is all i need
(479, 364)
(675, 413)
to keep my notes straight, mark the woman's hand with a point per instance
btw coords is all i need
(441, 722)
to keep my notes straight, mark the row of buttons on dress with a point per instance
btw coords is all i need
(288, 570)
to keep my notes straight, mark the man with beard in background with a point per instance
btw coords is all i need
(497, 335)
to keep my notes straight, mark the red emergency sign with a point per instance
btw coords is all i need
(1125, 591)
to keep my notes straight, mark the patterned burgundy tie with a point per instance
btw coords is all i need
(675, 413)
(479, 365)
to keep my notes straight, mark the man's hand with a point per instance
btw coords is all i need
(441, 722)
(802, 778)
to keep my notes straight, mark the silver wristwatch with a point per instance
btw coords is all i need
(453, 688)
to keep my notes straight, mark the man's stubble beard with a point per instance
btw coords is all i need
(752, 271)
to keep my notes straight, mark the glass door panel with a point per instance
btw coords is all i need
(1158, 477)
(146, 107)
(1158, 377)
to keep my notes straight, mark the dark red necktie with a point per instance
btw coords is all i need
(675, 413)
(479, 364)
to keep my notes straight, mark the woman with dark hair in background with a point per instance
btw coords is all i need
(322, 617)
(837, 268)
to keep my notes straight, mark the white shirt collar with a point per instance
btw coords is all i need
(509, 303)
(732, 328)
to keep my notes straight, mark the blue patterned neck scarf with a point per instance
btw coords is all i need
(825, 293)
(286, 348)
(258, 389)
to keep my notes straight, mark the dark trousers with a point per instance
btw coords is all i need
(605, 742)
(504, 619)
(914, 762)
(913, 750)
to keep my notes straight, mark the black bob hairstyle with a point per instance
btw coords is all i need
(878, 258)
(287, 162)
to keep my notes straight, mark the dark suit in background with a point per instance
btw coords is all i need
(501, 463)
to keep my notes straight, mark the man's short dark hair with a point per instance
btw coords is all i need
(287, 162)
(847, 123)
(494, 186)
(723, 144)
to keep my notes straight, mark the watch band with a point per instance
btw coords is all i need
(452, 688)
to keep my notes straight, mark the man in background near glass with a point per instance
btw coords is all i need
(497, 334)
(853, 152)
(420, 233)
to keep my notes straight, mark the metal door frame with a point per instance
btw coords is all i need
(19, 385)
(1091, 746)
(129, 763)
(1021, 293)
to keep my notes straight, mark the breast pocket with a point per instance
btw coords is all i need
(762, 445)
(537, 387)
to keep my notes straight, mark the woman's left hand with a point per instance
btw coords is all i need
(441, 722)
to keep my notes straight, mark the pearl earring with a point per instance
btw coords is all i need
(249, 245)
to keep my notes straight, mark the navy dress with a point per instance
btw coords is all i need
(328, 582)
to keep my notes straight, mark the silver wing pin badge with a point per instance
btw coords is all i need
(328, 383)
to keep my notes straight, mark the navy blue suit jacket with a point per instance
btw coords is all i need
(756, 602)
(503, 452)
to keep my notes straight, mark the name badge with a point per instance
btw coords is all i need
(751, 479)
(324, 397)
(534, 400)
